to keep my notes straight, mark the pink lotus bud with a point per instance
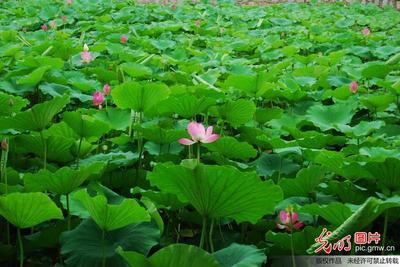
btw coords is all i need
(68, 2)
(106, 89)
(44, 27)
(366, 31)
(4, 144)
(353, 87)
(98, 99)
(124, 39)
(173, 6)
(64, 19)
(53, 24)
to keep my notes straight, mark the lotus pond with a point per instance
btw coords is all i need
(195, 134)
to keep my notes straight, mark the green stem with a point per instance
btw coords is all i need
(292, 248)
(385, 224)
(140, 145)
(132, 120)
(44, 150)
(103, 262)
(210, 236)
(190, 151)
(79, 152)
(198, 152)
(3, 171)
(203, 232)
(21, 248)
(69, 213)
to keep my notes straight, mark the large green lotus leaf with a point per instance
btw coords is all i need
(302, 240)
(335, 213)
(237, 112)
(305, 182)
(386, 173)
(139, 96)
(136, 70)
(160, 135)
(34, 77)
(185, 105)
(117, 119)
(247, 83)
(266, 114)
(360, 219)
(110, 217)
(175, 255)
(364, 128)
(58, 147)
(376, 70)
(237, 255)
(331, 117)
(83, 246)
(11, 104)
(113, 158)
(378, 102)
(85, 126)
(379, 153)
(348, 192)
(63, 181)
(37, 118)
(218, 191)
(54, 90)
(232, 148)
(25, 210)
(269, 164)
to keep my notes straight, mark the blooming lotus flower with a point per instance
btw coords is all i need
(85, 55)
(4, 144)
(124, 39)
(106, 89)
(353, 87)
(366, 31)
(289, 219)
(98, 99)
(44, 27)
(199, 134)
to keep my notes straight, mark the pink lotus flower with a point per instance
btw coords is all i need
(289, 219)
(44, 27)
(68, 2)
(173, 6)
(106, 89)
(98, 99)
(199, 134)
(353, 87)
(124, 39)
(85, 55)
(366, 31)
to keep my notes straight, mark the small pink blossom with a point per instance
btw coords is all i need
(289, 220)
(85, 55)
(173, 6)
(98, 99)
(199, 134)
(123, 39)
(366, 31)
(68, 2)
(353, 87)
(106, 89)
(44, 27)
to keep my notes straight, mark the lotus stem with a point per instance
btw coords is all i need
(79, 152)
(203, 232)
(385, 224)
(44, 150)
(140, 144)
(198, 152)
(69, 213)
(3, 171)
(103, 262)
(132, 120)
(210, 236)
(21, 248)
(291, 240)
